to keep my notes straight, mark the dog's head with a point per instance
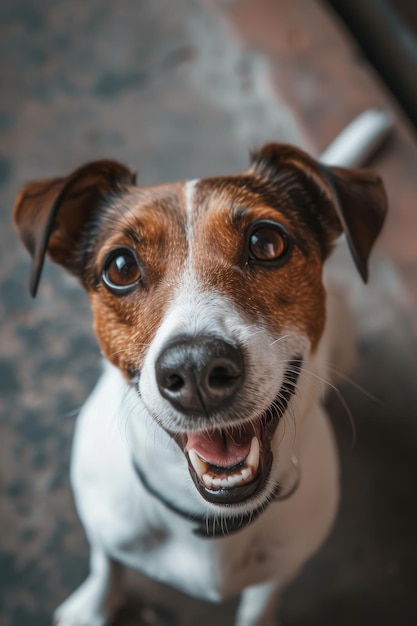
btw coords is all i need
(209, 293)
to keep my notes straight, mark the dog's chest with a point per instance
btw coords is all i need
(213, 569)
(141, 532)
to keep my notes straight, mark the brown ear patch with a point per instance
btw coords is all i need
(50, 215)
(29, 209)
(361, 206)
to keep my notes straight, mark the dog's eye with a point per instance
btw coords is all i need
(121, 271)
(268, 242)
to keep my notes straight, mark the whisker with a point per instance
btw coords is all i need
(341, 399)
(309, 375)
(278, 340)
(353, 383)
(123, 350)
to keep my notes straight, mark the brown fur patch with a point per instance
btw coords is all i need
(150, 221)
(289, 296)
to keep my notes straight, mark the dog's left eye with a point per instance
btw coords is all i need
(121, 271)
(268, 242)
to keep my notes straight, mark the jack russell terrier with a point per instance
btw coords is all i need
(204, 457)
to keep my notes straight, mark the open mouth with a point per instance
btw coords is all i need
(230, 465)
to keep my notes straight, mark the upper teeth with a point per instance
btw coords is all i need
(240, 476)
(198, 464)
(252, 460)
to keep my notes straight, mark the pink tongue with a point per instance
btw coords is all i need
(221, 448)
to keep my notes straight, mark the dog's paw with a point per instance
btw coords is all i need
(85, 607)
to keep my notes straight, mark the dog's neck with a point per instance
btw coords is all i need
(215, 526)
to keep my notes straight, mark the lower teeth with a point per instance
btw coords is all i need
(212, 481)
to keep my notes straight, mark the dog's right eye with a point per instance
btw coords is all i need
(121, 271)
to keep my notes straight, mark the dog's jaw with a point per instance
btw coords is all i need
(232, 465)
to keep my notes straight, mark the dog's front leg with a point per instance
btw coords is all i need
(94, 603)
(258, 605)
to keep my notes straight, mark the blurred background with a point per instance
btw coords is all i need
(181, 90)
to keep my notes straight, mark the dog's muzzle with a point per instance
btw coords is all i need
(202, 378)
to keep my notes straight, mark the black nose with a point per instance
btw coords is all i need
(199, 375)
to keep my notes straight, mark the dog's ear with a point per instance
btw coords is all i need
(345, 200)
(51, 215)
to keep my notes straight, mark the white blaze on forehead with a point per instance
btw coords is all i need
(190, 186)
(189, 193)
(188, 286)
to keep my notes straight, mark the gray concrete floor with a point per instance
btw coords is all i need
(167, 90)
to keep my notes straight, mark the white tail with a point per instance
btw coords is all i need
(356, 143)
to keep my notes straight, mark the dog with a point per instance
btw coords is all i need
(204, 457)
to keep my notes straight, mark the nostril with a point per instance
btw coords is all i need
(222, 377)
(174, 382)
